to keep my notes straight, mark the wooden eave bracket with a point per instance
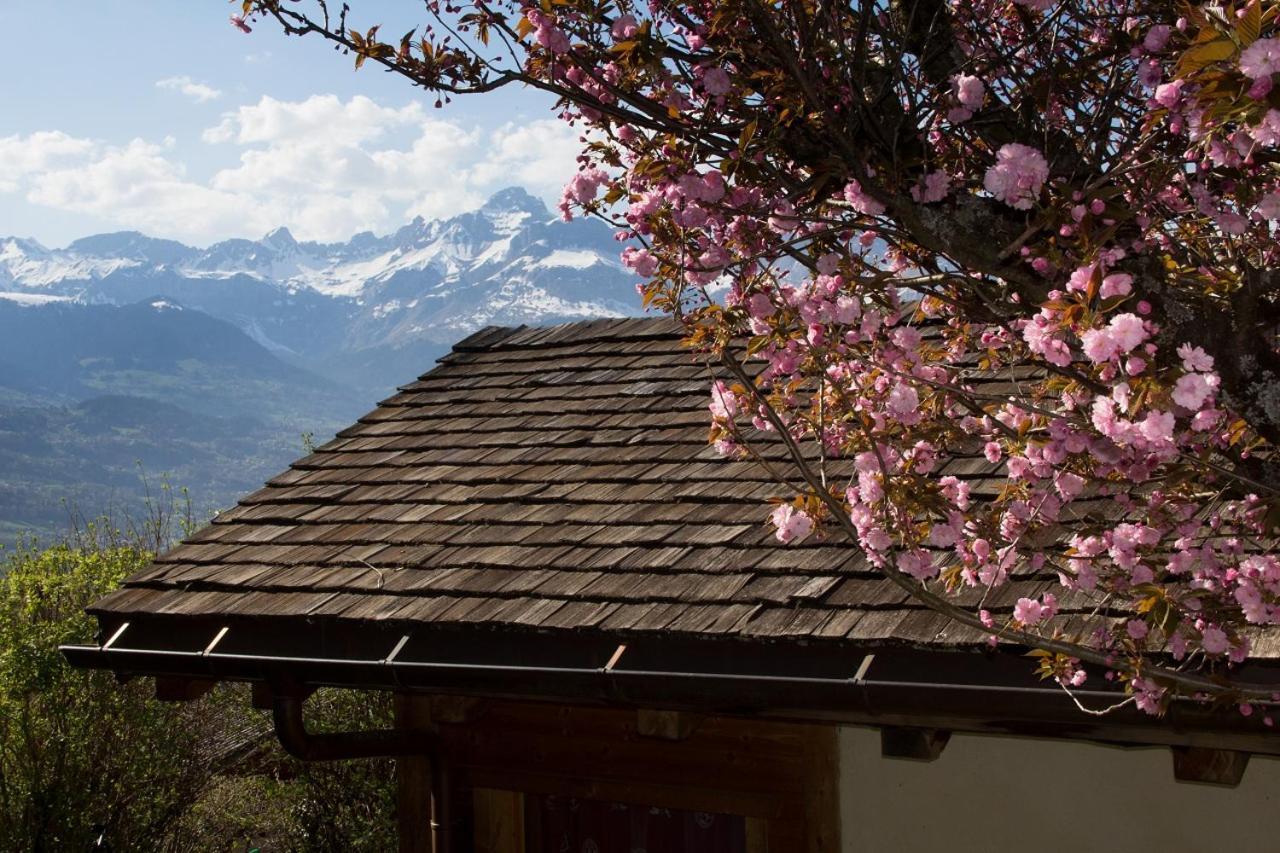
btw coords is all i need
(1209, 766)
(913, 743)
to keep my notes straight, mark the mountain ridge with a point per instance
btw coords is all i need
(422, 286)
(210, 363)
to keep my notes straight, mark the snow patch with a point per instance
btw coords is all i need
(577, 259)
(30, 299)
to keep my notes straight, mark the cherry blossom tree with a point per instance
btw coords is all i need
(917, 231)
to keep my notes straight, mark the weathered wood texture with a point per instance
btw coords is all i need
(413, 780)
(781, 776)
(548, 478)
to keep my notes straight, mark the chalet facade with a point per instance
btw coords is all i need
(596, 644)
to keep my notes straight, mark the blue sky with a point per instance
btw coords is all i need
(159, 116)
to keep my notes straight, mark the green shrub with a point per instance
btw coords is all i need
(78, 750)
(82, 755)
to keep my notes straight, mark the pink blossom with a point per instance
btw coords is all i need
(715, 81)
(624, 27)
(760, 306)
(1068, 485)
(1168, 94)
(546, 33)
(1269, 206)
(583, 186)
(641, 261)
(932, 187)
(969, 90)
(1127, 330)
(1261, 59)
(792, 525)
(724, 404)
(1267, 131)
(860, 201)
(1231, 222)
(1028, 611)
(1116, 284)
(1018, 175)
(1098, 345)
(1079, 280)
(918, 564)
(904, 403)
(239, 23)
(1157, 427)
(1195, 358)
(1193, 390)
(784, 218)
(1147, 695)
(1037, 5)
(992, 451)
(1213, 640)
(1157, 37)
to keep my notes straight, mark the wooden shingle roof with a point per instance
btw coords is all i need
(556, 479)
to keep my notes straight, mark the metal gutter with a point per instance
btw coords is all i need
(973, 705)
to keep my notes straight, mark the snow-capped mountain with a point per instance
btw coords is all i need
(365, 310)
(210, 363)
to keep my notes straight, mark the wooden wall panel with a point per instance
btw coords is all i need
(781, 776)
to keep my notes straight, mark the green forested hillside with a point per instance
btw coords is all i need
(94, 396)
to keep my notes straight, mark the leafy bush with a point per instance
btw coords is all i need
(79, 753)
(82, 756)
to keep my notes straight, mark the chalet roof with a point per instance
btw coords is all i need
(549, 478)
(555, 479)
(541, 517)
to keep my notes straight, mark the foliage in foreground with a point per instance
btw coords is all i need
(82, 756)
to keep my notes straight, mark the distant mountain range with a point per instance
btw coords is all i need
(210, 363)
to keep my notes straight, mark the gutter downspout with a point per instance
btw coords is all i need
(291, 730)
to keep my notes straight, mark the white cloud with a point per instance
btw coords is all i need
(539, 156)
(24, 156)
(325, 167)
(278, 122)
(196, 91)
(140, 186)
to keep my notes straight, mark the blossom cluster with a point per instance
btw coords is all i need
(981, 273)
(1110, 436)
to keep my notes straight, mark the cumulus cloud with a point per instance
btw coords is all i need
(196, 91)
(325, 167)
(39, 152)
(140, 186)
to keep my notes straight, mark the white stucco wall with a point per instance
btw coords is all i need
(994, 794)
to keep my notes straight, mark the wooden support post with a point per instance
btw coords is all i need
(499, 821)
(913, 743)
(822, 790)
(1209, 766)
(413, 779)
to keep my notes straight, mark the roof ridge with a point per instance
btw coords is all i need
(588, 331)
(485, 337)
